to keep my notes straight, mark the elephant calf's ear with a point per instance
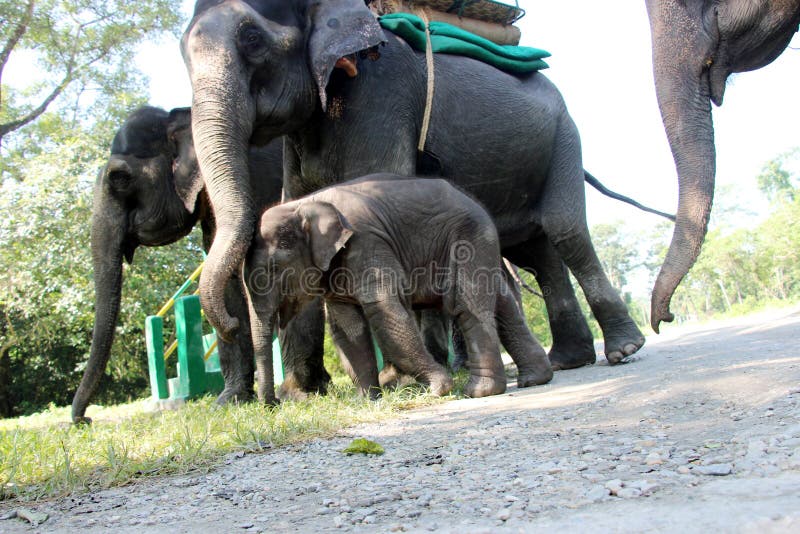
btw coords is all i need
(339, 28)
(327, 231)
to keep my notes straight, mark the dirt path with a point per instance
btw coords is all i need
(703, 432)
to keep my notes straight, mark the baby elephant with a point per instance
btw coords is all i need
(377, 248)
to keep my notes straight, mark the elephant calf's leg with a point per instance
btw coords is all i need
(533, 365)
(353, 342)
(401, 343)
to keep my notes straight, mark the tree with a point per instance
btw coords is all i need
(83, 45)
(775, 181)
(55, 134)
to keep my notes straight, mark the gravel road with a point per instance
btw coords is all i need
(701, 432)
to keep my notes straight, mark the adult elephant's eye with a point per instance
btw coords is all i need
(251, 41)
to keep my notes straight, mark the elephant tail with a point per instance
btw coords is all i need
(594, 182)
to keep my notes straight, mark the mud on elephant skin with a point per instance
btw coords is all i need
(376, 248)
(521, 160)
(150, 193)
(696, 46)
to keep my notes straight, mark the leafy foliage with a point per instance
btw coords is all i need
(52, 148)
(83, 46)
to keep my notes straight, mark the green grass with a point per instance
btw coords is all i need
(43, 455)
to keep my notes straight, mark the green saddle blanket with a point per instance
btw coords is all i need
(449, 39)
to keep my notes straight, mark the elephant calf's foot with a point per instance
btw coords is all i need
(484, 386)
(622, 339)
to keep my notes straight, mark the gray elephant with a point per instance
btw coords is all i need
(696, 46)
(308, 69)
(150, 193)
(376, 248)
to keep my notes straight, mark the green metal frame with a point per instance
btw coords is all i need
(198, 368)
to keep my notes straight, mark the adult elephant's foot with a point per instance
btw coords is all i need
(484, 386)
(539, 371)
(572, 353)
(294, 389)
(622, 339)
(440, 383)
(389, 376)
(234, 395)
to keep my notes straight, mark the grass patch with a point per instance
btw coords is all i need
(43, 455)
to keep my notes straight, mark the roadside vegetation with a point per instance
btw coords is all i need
(43, 455)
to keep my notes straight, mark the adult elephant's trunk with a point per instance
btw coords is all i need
(681, 57)
(108, 236)
(223, 113)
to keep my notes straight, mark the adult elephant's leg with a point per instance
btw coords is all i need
(351, 336)
(302, 346)
(487, 375)
(236, 358)
(436, 334)
(564, 222)
(573, 343)
(533, 365)
(459, 348)
(401, 343)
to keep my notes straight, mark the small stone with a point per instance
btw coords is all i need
(628, 493)
(597, 493)
(653, 459)
(369, 520)
(34, 518)
(684, 470)
(8, 515)
(614, 486)
(244, 526)
(511, 498)
(338, 521)
(644, 486)
(504, 514)
(714, 469)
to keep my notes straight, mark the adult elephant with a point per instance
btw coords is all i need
(697, 44)
(304, 69)
(150, 193)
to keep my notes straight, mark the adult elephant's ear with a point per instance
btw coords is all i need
(326, 229)
(187, 180)
(338, 28)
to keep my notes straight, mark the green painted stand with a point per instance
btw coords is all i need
(195, 377)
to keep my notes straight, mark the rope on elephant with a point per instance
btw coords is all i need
(426, 117)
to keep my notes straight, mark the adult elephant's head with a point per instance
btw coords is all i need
(697, 44)
(148, 193)
(258, 69)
